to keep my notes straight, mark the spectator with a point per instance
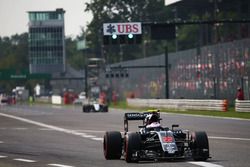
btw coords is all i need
(240, 94)
(114, 98)
(102, 98)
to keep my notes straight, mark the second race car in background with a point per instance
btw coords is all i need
(94, 106)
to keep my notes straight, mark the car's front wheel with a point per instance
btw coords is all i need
(199, 146)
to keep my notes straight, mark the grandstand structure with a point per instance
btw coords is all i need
(215, 73)
(213, 69)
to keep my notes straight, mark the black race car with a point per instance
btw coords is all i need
(154, 143)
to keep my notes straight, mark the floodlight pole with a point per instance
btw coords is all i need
(166, 74)
(86, 81)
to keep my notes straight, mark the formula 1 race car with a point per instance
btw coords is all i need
(154, 142)
(94, 106)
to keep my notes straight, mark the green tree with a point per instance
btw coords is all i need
(14, 52)
(13, 55)
(75, 58)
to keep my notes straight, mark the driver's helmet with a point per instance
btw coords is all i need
(150, 118)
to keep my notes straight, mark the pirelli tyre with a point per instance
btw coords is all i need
(132, 144)
(104, 108)
(86, 108)
(112, 145)
(199, 146)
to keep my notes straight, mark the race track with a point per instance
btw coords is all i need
(38, 136)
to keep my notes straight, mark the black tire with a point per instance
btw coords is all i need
(112, 145)
(199, 146)
(85, 108)
(105, 108)
(132, 144)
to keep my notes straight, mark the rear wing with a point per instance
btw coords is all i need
(137, 116)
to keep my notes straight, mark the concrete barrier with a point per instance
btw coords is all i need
(43, 99)
(180, 104)
(242, 105)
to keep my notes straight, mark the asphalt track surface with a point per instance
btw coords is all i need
(39, 136)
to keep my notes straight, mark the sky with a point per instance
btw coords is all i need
(14, 17)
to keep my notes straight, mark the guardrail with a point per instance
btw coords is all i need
(180, 104)
(242, 105)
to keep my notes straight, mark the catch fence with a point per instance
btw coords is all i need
(211, 72)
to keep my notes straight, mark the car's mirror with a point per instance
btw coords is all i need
(175, 126)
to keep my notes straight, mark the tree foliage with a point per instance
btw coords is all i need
(75, 58)
(14, 51)
(13, 55)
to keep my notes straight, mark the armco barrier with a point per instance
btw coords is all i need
(43, 99)
(242, 105)
(180, 104)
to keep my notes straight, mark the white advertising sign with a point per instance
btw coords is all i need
(122, 28)
(169, 2)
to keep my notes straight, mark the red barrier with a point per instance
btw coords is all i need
(225, 105)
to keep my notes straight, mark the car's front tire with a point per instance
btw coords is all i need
(199, 146)
(112, 145)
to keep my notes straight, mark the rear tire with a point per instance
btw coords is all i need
(112, 145)
(105, 108)
(132, 144)
(199, 146)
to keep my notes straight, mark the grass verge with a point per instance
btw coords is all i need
(230, 113)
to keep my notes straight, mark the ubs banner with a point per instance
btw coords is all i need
(122, 28)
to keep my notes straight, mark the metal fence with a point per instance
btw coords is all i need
(210, 72)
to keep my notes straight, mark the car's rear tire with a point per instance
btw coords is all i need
(132, 144)
(112, 145)
(199, 146)
(105, 108)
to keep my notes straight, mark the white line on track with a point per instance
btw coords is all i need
(228, 138)
(1, 142)
(44, 125)
(19, 128)
(205, 164)
(93, 131)
(24, 160)
(2, 156)
(59, 165)
(88, 136)
(45, 129)
(84, 135)
(97, 138)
